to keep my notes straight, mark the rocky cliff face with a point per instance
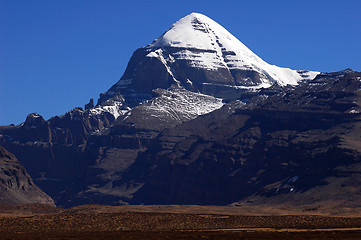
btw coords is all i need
(16, 186)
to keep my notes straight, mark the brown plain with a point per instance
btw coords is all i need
(37, 221)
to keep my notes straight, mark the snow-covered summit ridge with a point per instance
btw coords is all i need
(197, 31)
(220, 49)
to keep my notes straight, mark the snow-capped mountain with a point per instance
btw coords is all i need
(220, 49)
(197, 118)
(198, 54)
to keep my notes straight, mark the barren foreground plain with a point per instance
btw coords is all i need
(37, 221)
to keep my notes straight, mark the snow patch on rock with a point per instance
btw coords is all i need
(116, 109)
(180, 105)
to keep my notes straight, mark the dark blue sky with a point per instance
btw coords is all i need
(56, 55)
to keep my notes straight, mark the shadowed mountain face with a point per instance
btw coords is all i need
(16, 185)
(285, 147)
(200, 120)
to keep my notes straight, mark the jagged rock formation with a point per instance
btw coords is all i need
(16, 186)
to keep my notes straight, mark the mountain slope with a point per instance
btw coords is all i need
(16, 186)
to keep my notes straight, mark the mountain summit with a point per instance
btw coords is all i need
(221, 50)
(198, 54)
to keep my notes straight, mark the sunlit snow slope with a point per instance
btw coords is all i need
(222, 50)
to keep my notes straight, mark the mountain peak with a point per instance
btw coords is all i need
(200, 55)
(196, 31)
(219, 49)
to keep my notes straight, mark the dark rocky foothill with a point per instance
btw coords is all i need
(16, 186)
